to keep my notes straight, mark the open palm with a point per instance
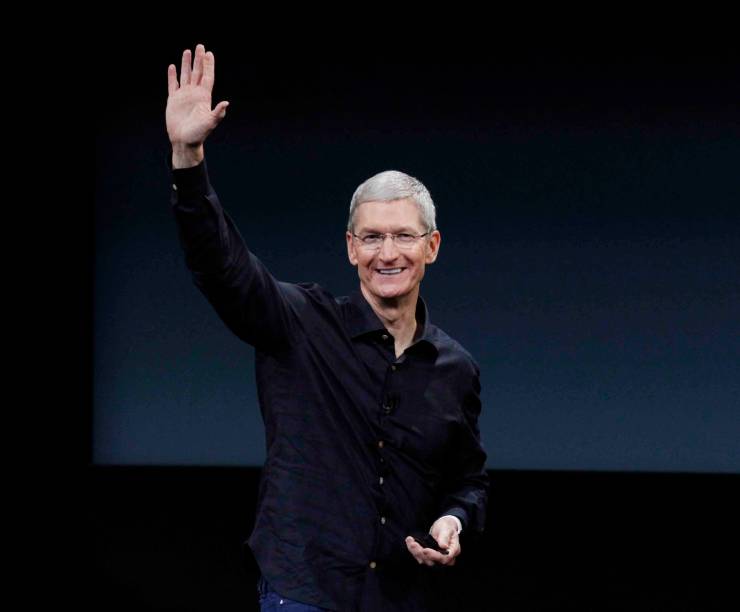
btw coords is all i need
(189, 116)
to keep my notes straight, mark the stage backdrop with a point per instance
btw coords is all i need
(590, 256)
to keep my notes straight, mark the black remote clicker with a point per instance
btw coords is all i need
(426, 540)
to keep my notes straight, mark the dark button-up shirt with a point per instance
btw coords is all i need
(363, 448)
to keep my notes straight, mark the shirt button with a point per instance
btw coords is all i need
(373, 565)
(174, 186)
(380, 443)
(385, 336)
(382, 520)
(393, 367)
(380, 480)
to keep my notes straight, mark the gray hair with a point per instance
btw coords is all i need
(394, 185)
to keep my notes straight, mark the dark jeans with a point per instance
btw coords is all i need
(270, 601)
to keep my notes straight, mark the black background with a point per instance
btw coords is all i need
(589, 215)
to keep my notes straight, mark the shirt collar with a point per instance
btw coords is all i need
(363, 320)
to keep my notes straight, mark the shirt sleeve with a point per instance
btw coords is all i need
(468, 496)
(253, 305)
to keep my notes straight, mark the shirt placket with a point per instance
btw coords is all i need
(390, 402)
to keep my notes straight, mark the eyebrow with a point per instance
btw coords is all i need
(402, 230)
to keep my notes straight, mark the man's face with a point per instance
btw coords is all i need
(391, 271)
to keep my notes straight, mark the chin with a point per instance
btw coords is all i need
(391, 292)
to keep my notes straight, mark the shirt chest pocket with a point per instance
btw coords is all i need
(428, 430)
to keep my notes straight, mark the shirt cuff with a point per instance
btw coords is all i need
(189, 181)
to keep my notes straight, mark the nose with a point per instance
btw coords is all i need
(388, 250)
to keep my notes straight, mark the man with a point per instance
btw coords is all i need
(370, 411)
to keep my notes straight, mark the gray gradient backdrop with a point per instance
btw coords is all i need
(590, 258)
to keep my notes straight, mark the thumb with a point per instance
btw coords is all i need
(447, 535)
(220, 111)
(441, 535)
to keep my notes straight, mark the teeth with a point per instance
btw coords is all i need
(390, 271)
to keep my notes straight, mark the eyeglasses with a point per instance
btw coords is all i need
(373, 242)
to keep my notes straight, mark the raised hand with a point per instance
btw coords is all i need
(189, 116)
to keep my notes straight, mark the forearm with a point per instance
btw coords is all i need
(467, 480)
(207, 239)
(241, 290)
(468, 504)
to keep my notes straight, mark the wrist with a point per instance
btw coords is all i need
(456, 520)
(186, 156)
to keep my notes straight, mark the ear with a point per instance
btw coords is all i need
(432, 246)
(351, 252)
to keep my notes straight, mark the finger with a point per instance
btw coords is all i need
(444, 539)
(444, 535)
(185, 68)
(444, 559)
(428, 555)
(171, 79)
(200, 51)
(450, 541)
(434, 556)
(422, 557)
(413, 546)
(415, 549)
(220, 111)
(455, 548)
(209, 62)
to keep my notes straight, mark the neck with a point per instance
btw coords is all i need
(398, 314)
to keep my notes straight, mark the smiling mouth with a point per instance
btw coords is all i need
(389, 271)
